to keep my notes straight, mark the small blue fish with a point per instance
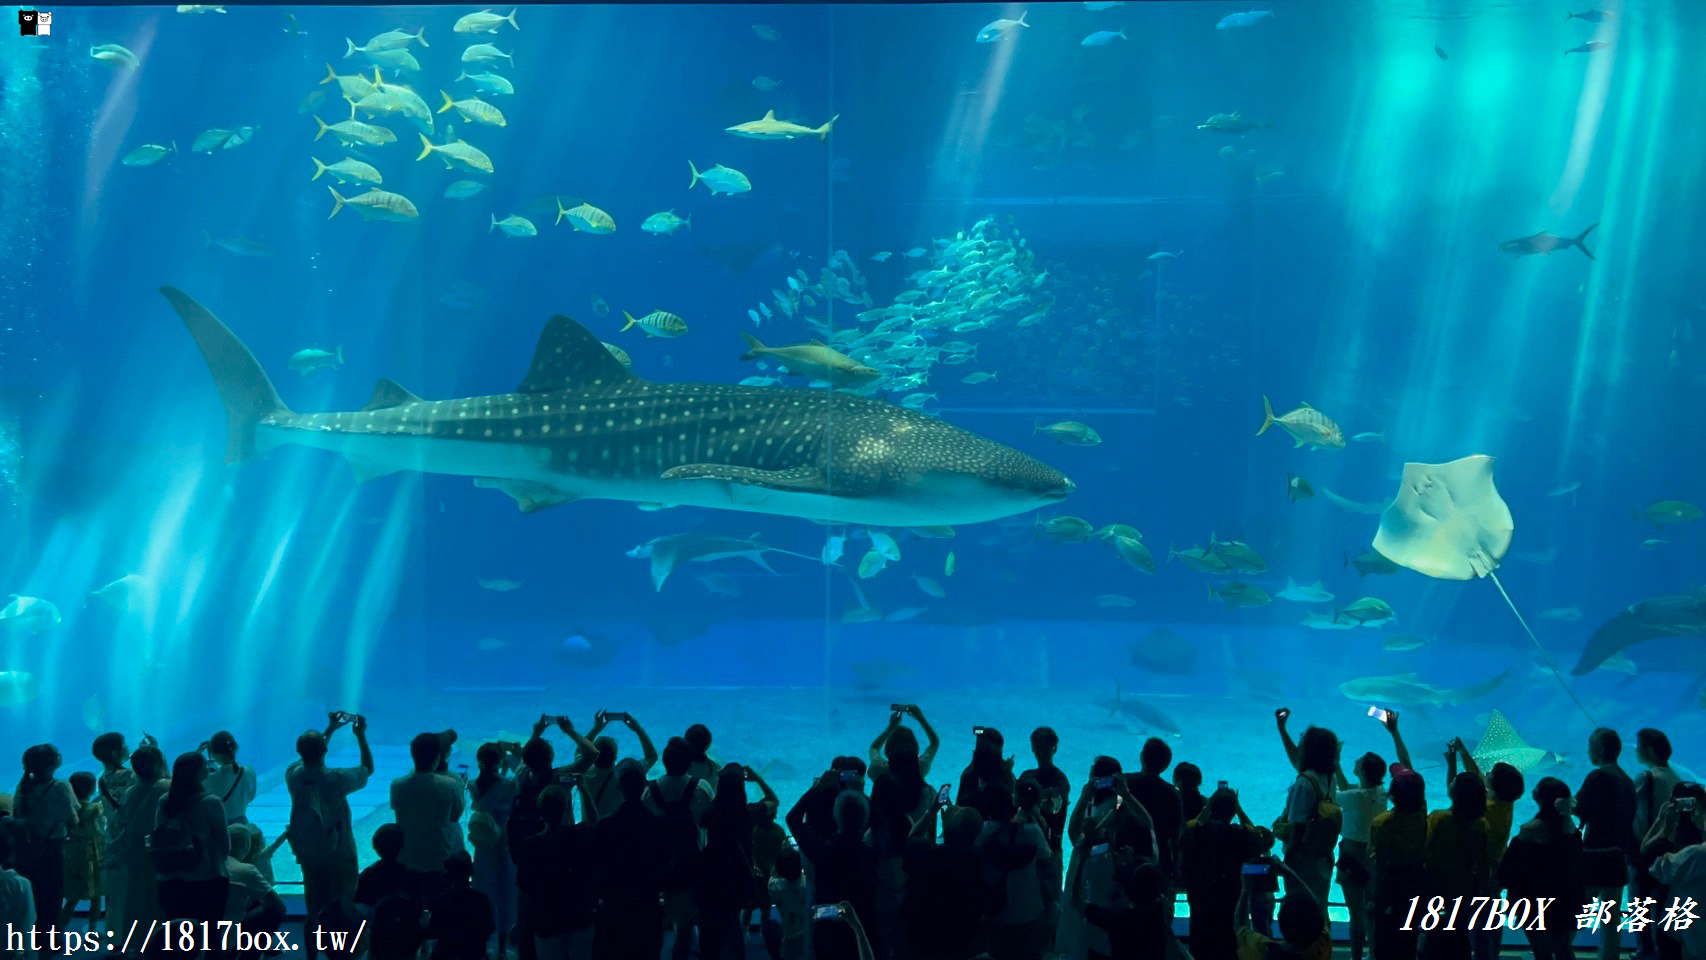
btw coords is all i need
(881, 255)
(1102, 38)
(1238, 21)
(1591, 16)
(756, 321)
(463, 189)
(1588, 47)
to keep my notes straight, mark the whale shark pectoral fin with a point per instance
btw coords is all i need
(792, 480)
(530, 497)
(368, 469)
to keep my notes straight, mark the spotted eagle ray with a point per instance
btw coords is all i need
(580, 425)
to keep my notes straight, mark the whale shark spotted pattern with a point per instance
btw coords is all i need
(582, 426)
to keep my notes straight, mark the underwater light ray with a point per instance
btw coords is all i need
(387, 567)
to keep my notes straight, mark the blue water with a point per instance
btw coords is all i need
(1347, 255)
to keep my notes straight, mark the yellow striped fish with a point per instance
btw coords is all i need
(375, 205)
(657, 324)
(586, 217)
(1306, 425)
(353, 87)
(353, 132)
(458, 154)
(474, 109)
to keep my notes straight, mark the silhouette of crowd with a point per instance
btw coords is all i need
(608, 857)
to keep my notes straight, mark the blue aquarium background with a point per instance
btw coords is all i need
(1343, 251)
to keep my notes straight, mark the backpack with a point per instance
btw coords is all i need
(1006, 858)
(315, 836)
(682, 829)
(173, 846)
(1315, 838)
(525, 820)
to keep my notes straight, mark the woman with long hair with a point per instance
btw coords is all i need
(47, 810)
(189, 845)
(1312, 839)
(1545, 860)
(901, 808)
(725, 874)
(491, 797)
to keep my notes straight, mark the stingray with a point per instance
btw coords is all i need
(1502, 744)
(1449, 522)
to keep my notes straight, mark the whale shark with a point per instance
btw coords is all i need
(582, 426)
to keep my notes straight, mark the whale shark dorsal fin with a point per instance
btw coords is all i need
(570, 357)
(389, 393)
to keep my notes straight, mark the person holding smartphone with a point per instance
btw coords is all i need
(1673, 855)
(321, 835)
(1303, 928)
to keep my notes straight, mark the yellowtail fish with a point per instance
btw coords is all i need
(375, 205)
(483, 52)
(1306, 425)
(720, 179)
(475, 109)
(586, 218)
(488, 83)
(484, 22)
(458, 154)
(348, 170)
(395, 40)
(353, 133)
(515, 225)
(351, 87)
(658, 323)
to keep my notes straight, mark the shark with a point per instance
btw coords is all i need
(770, 128)
(582, 426)
(1409, 688)
(1679, 615)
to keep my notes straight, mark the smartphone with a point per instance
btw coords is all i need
(616, 716)
(1104, 783)
(978, 731)
(1220, 785)
(848, 777)
(550, 719)
(1686, 804)
(344, 716)
(942, 797)
(1378, 714)
(827, 911)
(462, 768)
(897, 707)
(1258, 869)
(571, 779)
(1099, 850)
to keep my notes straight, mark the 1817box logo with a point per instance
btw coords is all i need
(34, 23)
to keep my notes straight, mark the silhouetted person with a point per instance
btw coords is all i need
(428, 806)
(1653, 788)
(1605, 804)
(230, 781)
(788, 939)
(988, 772)
(725, 868)
(1545, 860)
(1456, 861)
(17, 900)
(385, 877)
(189, 845)
(1398, 843)
(943, 911)
(1212, 855)
(45, 809)
(113, 783)
(1674, 854)
(556, 873)
(85, 850)
(1055, 791)
(682, 799)
(1162, 800)
(321, 835)
(460, 916)
(633, 855)
(846, 871)
(1312, 837)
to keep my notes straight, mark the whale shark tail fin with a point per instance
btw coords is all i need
(247, 392)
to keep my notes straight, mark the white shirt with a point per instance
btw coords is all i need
(247, 887)
(428, 806)
(48, 809)
(790, 900)
(235, 786)
(17, 911)
(1360, 806)
(1024, 885)
(329, 788)
(1684, 874)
